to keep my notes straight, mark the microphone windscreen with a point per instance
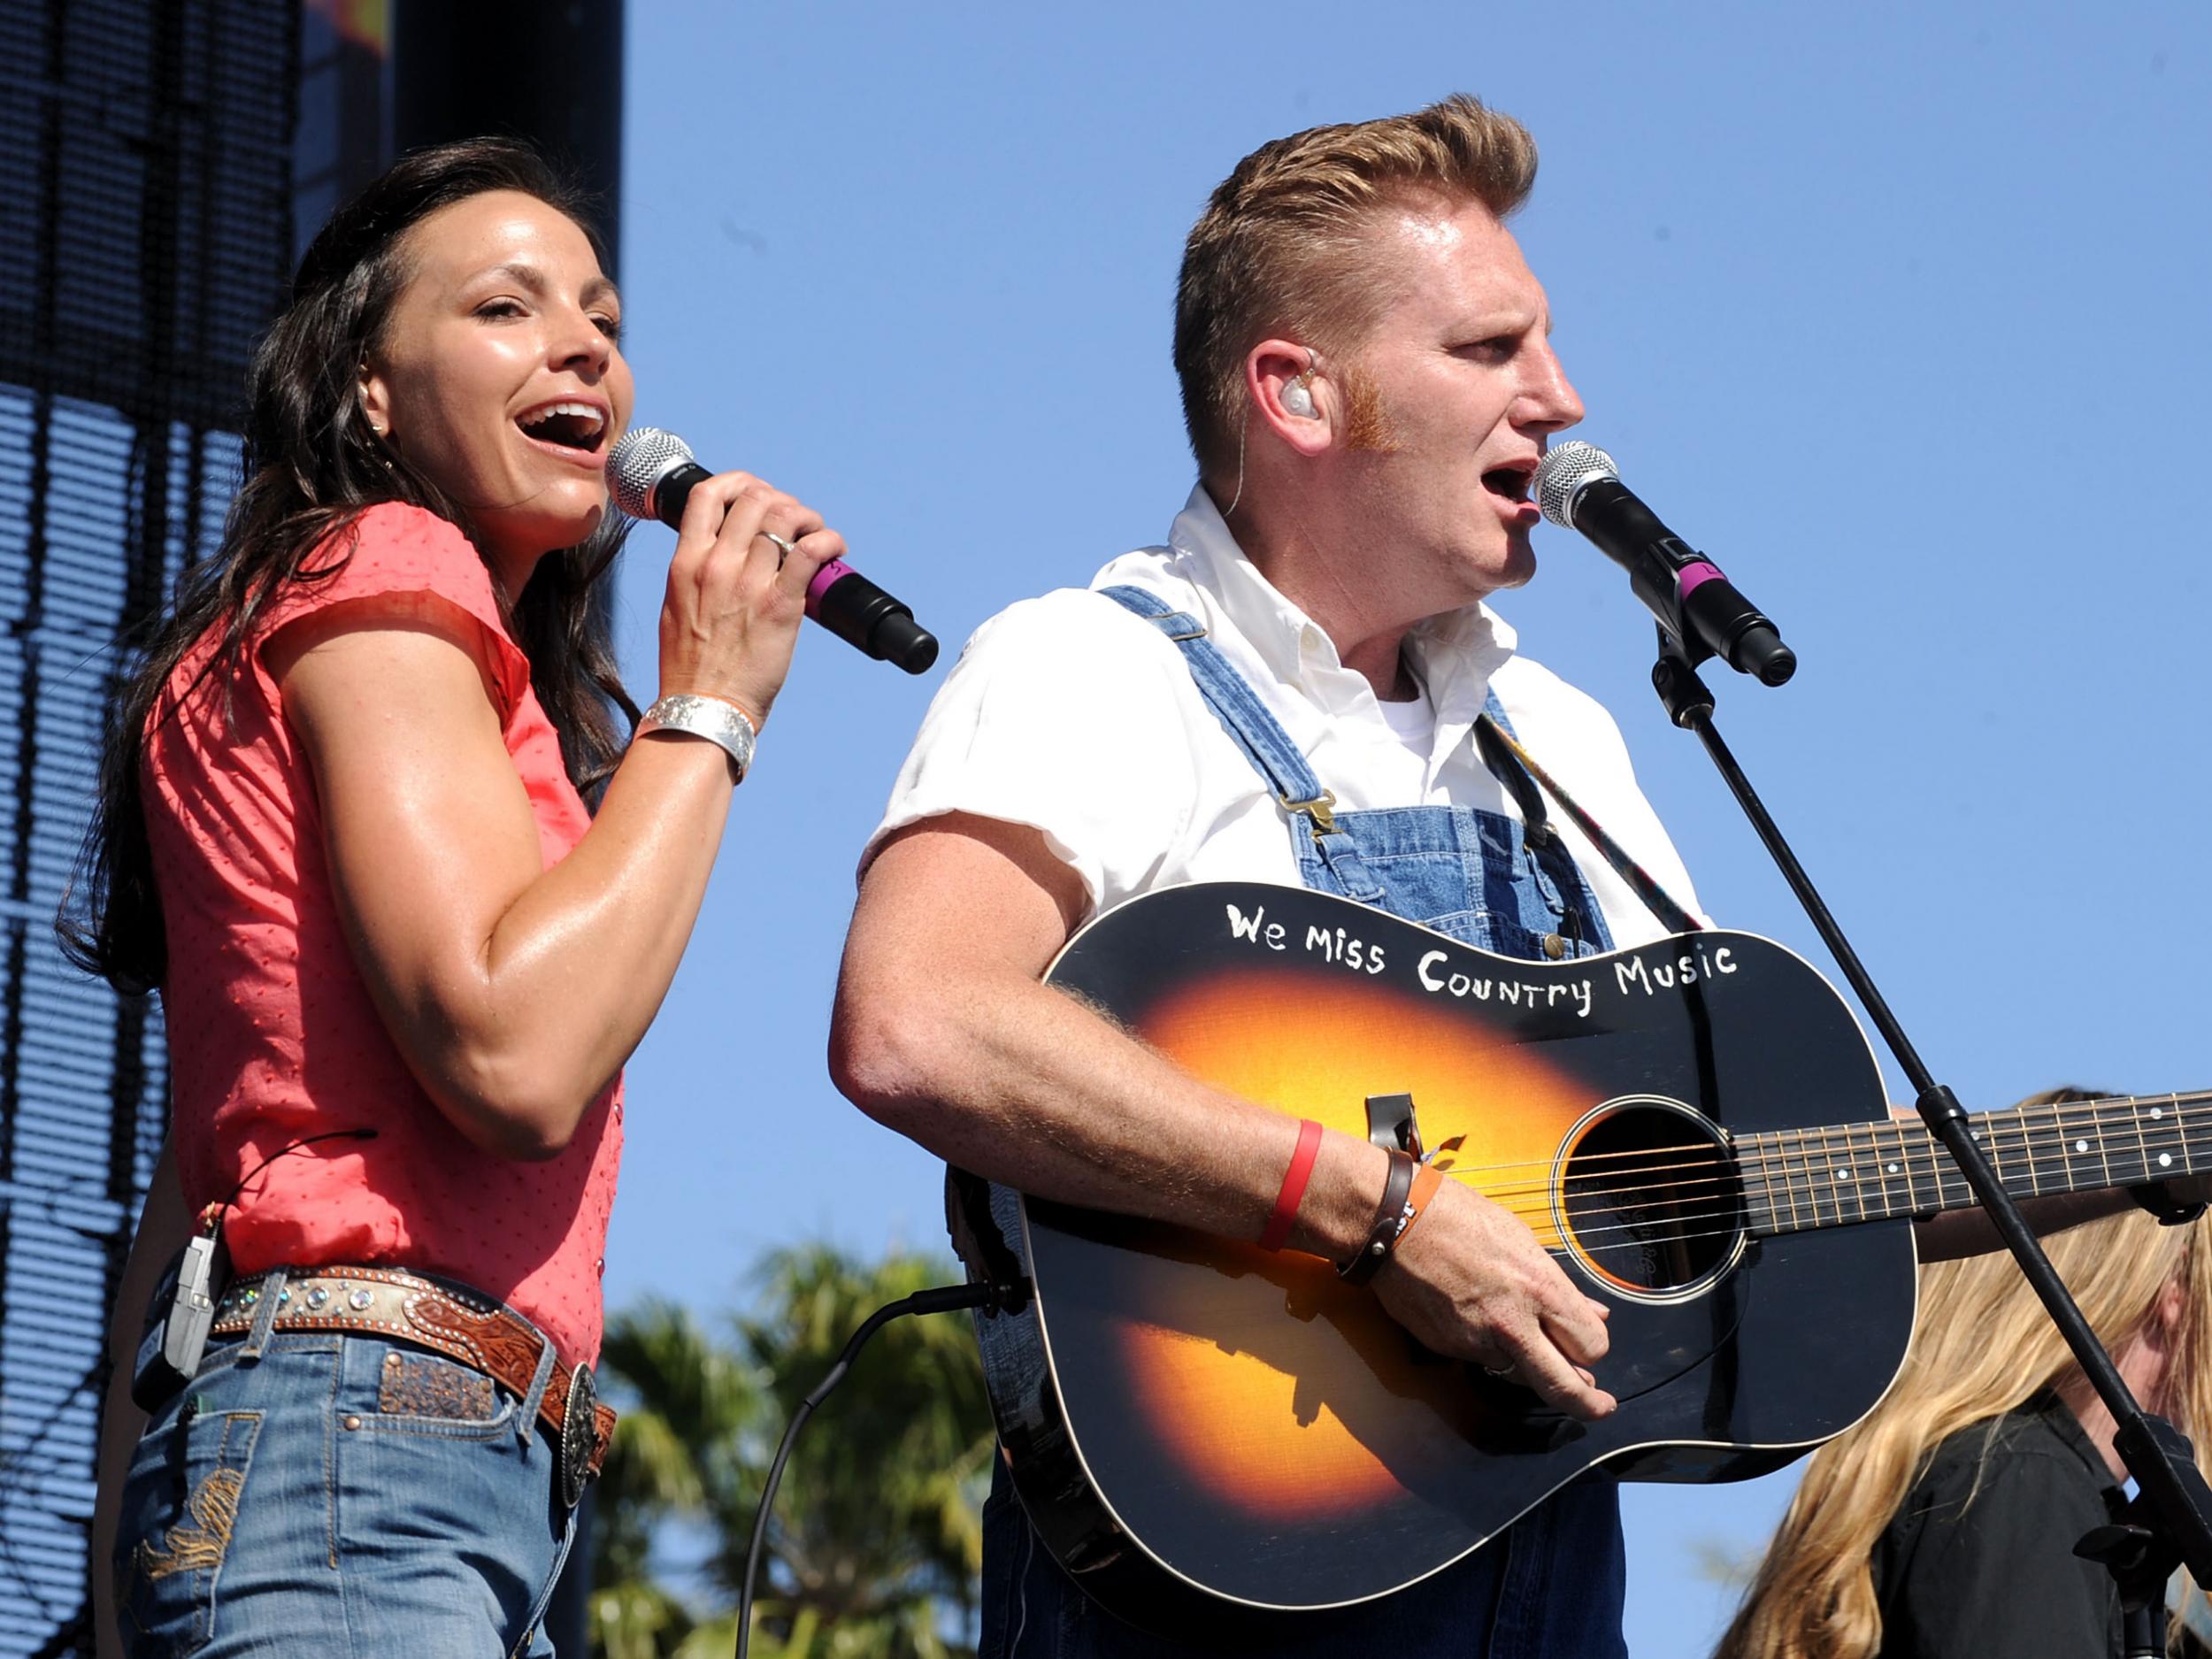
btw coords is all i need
(640, 459)
(1562, 475)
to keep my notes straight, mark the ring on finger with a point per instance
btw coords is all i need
(1502, 1371)
(784, 549)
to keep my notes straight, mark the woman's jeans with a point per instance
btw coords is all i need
(339, 1496)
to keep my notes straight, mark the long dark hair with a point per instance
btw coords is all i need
(312, 464)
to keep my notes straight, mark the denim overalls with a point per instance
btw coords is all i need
(1552, 1586)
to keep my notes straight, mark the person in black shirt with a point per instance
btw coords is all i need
(1978, 1558)
(1944, 1523)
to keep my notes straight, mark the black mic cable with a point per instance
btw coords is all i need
(941, 1299)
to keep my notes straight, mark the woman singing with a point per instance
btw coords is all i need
(1944, 1523)
(345, 830)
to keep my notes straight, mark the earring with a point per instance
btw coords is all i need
(361, 390)
(379, 445)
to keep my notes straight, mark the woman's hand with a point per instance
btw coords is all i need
(735, 597)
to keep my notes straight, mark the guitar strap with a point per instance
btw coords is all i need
(1518, 771)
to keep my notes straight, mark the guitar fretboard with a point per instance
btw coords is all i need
(1794, 1180)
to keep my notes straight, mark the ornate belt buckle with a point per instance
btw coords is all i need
(580, 1433)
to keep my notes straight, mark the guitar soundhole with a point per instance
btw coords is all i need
(1650, 1198)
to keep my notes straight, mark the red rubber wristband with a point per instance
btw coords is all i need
(1295, 1181)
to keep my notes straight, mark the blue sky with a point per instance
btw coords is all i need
(1898, 311)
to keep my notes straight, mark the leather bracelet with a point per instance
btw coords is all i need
(1390, 1221)
(1295, 1179)
(2160, 1203)
(717, 719)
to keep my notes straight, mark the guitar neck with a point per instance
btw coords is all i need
(1796, 1179)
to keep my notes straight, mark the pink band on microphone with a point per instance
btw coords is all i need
(1691, 577)
(829, 573)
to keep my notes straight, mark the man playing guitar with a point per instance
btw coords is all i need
(1288, 691)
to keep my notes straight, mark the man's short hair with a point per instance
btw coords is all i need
(1282, 246)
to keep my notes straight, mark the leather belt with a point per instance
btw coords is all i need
(448, 1319)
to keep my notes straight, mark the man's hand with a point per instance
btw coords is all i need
(1471, 1282)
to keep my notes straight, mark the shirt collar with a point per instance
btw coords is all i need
(1454, 655)
(2060, 1418)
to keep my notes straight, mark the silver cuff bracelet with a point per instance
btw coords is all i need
(722, 723)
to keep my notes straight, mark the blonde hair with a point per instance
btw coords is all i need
(1282, 246)
(1981, 1347)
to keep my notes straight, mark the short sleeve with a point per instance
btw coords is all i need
(393, 549)
(1067, 715)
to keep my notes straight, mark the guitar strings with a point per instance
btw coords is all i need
(1911, 1134)
(1691, 1223)
(1590, 1237)
(1909, 1163)
(1682, 1197)
(1786, 1188)
(1912, 1129)
(1917, 1154)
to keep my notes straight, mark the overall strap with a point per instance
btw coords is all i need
(1518, 771)
(1259, 735)
(1578, 920)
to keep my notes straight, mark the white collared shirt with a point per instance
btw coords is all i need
(1068, 714)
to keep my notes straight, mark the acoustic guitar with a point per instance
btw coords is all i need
(1696, 1130)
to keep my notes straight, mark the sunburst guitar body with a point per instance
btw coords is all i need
(1200, 1430)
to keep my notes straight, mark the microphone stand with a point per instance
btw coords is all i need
(2167, 1523)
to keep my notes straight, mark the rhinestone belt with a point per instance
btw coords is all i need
(448, 1319)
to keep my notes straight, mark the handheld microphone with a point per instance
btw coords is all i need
(1578, 488)
(651, 474)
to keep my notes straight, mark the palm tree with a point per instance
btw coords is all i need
(686, 1406)
(875, 1547)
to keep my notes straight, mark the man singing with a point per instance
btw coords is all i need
(1288, 691)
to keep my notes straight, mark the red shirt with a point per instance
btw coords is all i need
(273, 1036)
